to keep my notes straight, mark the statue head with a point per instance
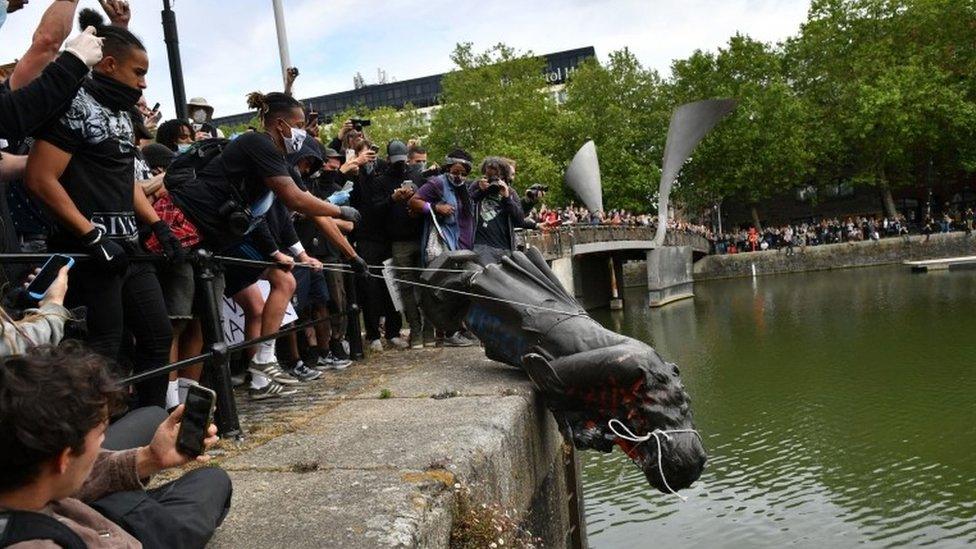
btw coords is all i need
(631, 383)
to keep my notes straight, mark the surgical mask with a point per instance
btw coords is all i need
(183, 147)
(294, 143)
(199, 116)
(3, 12)
(456, 179)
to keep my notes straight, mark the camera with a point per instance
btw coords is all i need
(238, 219)
(359, 123)
(533, 192)
(494, 184)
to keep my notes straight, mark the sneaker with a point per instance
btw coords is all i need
(338, 350)
(376, 345)
(304, 373)
(398, 342)
(271, 390)
(416, 341)
(273, 372)
(471, 337)
(325, 361)
(457, 340)
(335, 363)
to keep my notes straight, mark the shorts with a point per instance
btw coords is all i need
(311, 288)
(183, 301)
(238, 277)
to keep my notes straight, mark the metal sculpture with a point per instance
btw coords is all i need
(583, 177)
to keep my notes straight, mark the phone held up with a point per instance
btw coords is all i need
(197, 417)
(38, 287)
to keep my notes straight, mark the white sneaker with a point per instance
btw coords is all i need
(399, 343)
(376, 345)
(273, 372)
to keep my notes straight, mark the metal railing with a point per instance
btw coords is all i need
(559, 242)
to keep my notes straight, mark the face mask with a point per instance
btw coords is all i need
(183, 147)
(293, 143)
(199, 116)
(456, 179)
(112, 93)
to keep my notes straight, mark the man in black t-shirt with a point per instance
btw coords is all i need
(82, 169)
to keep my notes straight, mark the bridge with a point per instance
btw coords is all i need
(588, 259)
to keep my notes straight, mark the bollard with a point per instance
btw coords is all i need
(354, 329)
(218, 365)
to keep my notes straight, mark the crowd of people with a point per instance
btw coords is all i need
(835, 230)
(90, 169)
(579, 216)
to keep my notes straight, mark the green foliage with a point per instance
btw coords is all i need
(761, 148)
(388, 123)
(241, 128)
(496, 103)
(622, 107)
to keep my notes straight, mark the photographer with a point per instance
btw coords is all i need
(497, 211)
(89, 188)
(59, 488)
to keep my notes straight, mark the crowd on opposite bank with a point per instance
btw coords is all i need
(834, 231)
(546, 217)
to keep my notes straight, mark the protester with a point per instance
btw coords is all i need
(89, 187)
(201, 116)
(53, 466)
(228, 200)
(445, 204)
(176, 135)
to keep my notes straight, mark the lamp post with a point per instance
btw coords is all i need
(283, 54)
(175, 66)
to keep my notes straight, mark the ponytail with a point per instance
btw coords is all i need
(271, 105)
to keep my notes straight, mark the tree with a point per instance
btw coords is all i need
(759, 150)
(388, 123)
(891, 84)
(623, 109)
(496, 103)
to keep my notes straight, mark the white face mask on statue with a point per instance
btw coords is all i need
(294, 143)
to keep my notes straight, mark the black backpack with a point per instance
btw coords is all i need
(185, 166)
(20, 526)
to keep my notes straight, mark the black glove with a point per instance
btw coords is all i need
(107, 253)
(172, 248)
(350, 214)
(359, 266)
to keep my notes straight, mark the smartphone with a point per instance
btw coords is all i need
(350, 155)
(197, 417)
(38, 287)
(408, 184)
(313, 117)
(155, 108)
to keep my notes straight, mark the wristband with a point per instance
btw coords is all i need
(297, 248)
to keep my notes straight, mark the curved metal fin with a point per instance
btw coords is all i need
(689, 124)
(583, 177)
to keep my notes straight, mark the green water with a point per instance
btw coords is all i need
(838, 409)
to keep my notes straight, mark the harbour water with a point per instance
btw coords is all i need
(838, 408)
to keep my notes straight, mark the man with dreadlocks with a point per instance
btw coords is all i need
(82, 169)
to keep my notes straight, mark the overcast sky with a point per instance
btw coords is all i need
(229, 46)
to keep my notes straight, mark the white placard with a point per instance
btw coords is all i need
(389, 273)
(233, 317)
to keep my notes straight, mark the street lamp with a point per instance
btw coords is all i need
(283, 54)
(175, 66)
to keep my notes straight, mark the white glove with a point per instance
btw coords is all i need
(86, 46)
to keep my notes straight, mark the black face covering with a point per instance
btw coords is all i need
(332, 177)
(112, 93)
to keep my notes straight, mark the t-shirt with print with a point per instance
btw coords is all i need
(493, 227)
(99, 177)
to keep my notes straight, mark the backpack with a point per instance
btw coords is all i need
(20, 526)
(185, 166)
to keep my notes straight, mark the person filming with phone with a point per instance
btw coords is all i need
(58, 487)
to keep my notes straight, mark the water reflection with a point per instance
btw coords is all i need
(837, 408)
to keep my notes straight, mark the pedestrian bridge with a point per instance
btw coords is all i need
(588, 260)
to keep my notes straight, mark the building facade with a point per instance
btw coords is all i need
(423, 93)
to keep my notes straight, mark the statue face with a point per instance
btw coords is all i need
(644, 393)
